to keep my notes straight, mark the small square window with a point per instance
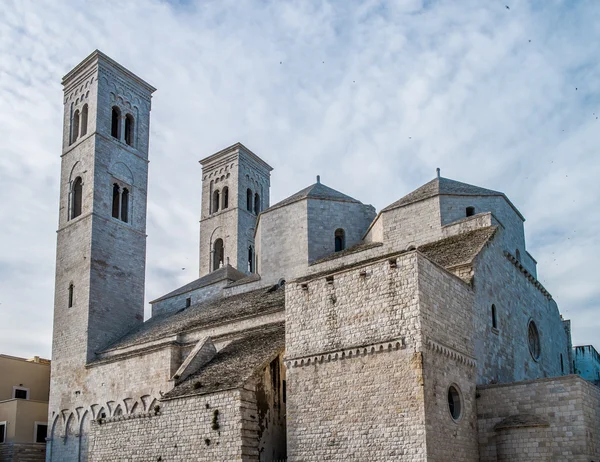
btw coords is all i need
(188, 302)
(20, 393)
(40, 432)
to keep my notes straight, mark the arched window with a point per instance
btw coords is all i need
(249, 200)
(494, 320)
(71, 293)
(75, 127)
(250, 259)
(518, 254)
(340, 240)
(129, 126)
(115, 123)
(76, 199)
(216, 197)
(470, 211)
(256, 204)
(84, 120)
(116, 200)
(218, 254)
(125, 205)
(225, 197)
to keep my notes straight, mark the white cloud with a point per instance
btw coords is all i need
(370, 95)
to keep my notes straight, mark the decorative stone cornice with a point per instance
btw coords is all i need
(347, 353)
(527, 274)
(451, 353)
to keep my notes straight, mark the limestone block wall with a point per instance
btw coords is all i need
(453, 208)
(446, 311)
(412, 225)
(587, 362)
(178, 302)
(354, 308)
(568, 405)
(181, 430)
(325, 217)
(368, 406)
(503, 353)
(282, 243)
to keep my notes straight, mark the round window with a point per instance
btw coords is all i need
(534, 341)
(454, 402)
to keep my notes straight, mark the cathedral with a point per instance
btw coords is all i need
(319, 329)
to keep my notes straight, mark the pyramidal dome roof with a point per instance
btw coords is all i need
(315, 191)
(442, 186)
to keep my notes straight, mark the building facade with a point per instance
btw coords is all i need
(24, 390)
(318, 329)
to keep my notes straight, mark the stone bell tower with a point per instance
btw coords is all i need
(235, 189)
(101, 244)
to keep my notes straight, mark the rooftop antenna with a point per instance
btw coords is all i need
(438, 172)
(318, 178)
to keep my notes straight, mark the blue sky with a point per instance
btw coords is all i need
(371, 95)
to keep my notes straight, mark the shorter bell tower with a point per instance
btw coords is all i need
(235, 189)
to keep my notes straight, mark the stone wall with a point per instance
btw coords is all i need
(558, 419)
(178, 302)
(183, 429)
(324, 217)
(587, 363)
(503, 352)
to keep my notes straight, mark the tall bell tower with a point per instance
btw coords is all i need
(101, 244)
(235, 189)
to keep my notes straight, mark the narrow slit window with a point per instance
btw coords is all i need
(71, 294)
(76, 197)
(129, 129)
(116, 200)
(125, 205)
(340, 240)
(188, 302)
(84, 120)
(494, 318)
(115, 124)
(562, 364)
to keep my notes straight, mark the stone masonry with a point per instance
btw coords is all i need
(318, 329)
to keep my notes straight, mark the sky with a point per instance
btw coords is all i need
(370, 95)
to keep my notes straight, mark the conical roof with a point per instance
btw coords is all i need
(442, 186)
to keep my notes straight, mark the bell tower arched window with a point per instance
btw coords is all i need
(115, 123)
(76, 197)
(84, 120)
(75, 127)
(340, 240)
(216, 199)
(225, 197)
(120, 203)
(250, 259)
(256, 204)
(115, 200)
(249, 200)
(125, 205)
(129, 129)
(218, 254)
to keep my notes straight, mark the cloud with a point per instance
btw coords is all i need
(373, 96)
